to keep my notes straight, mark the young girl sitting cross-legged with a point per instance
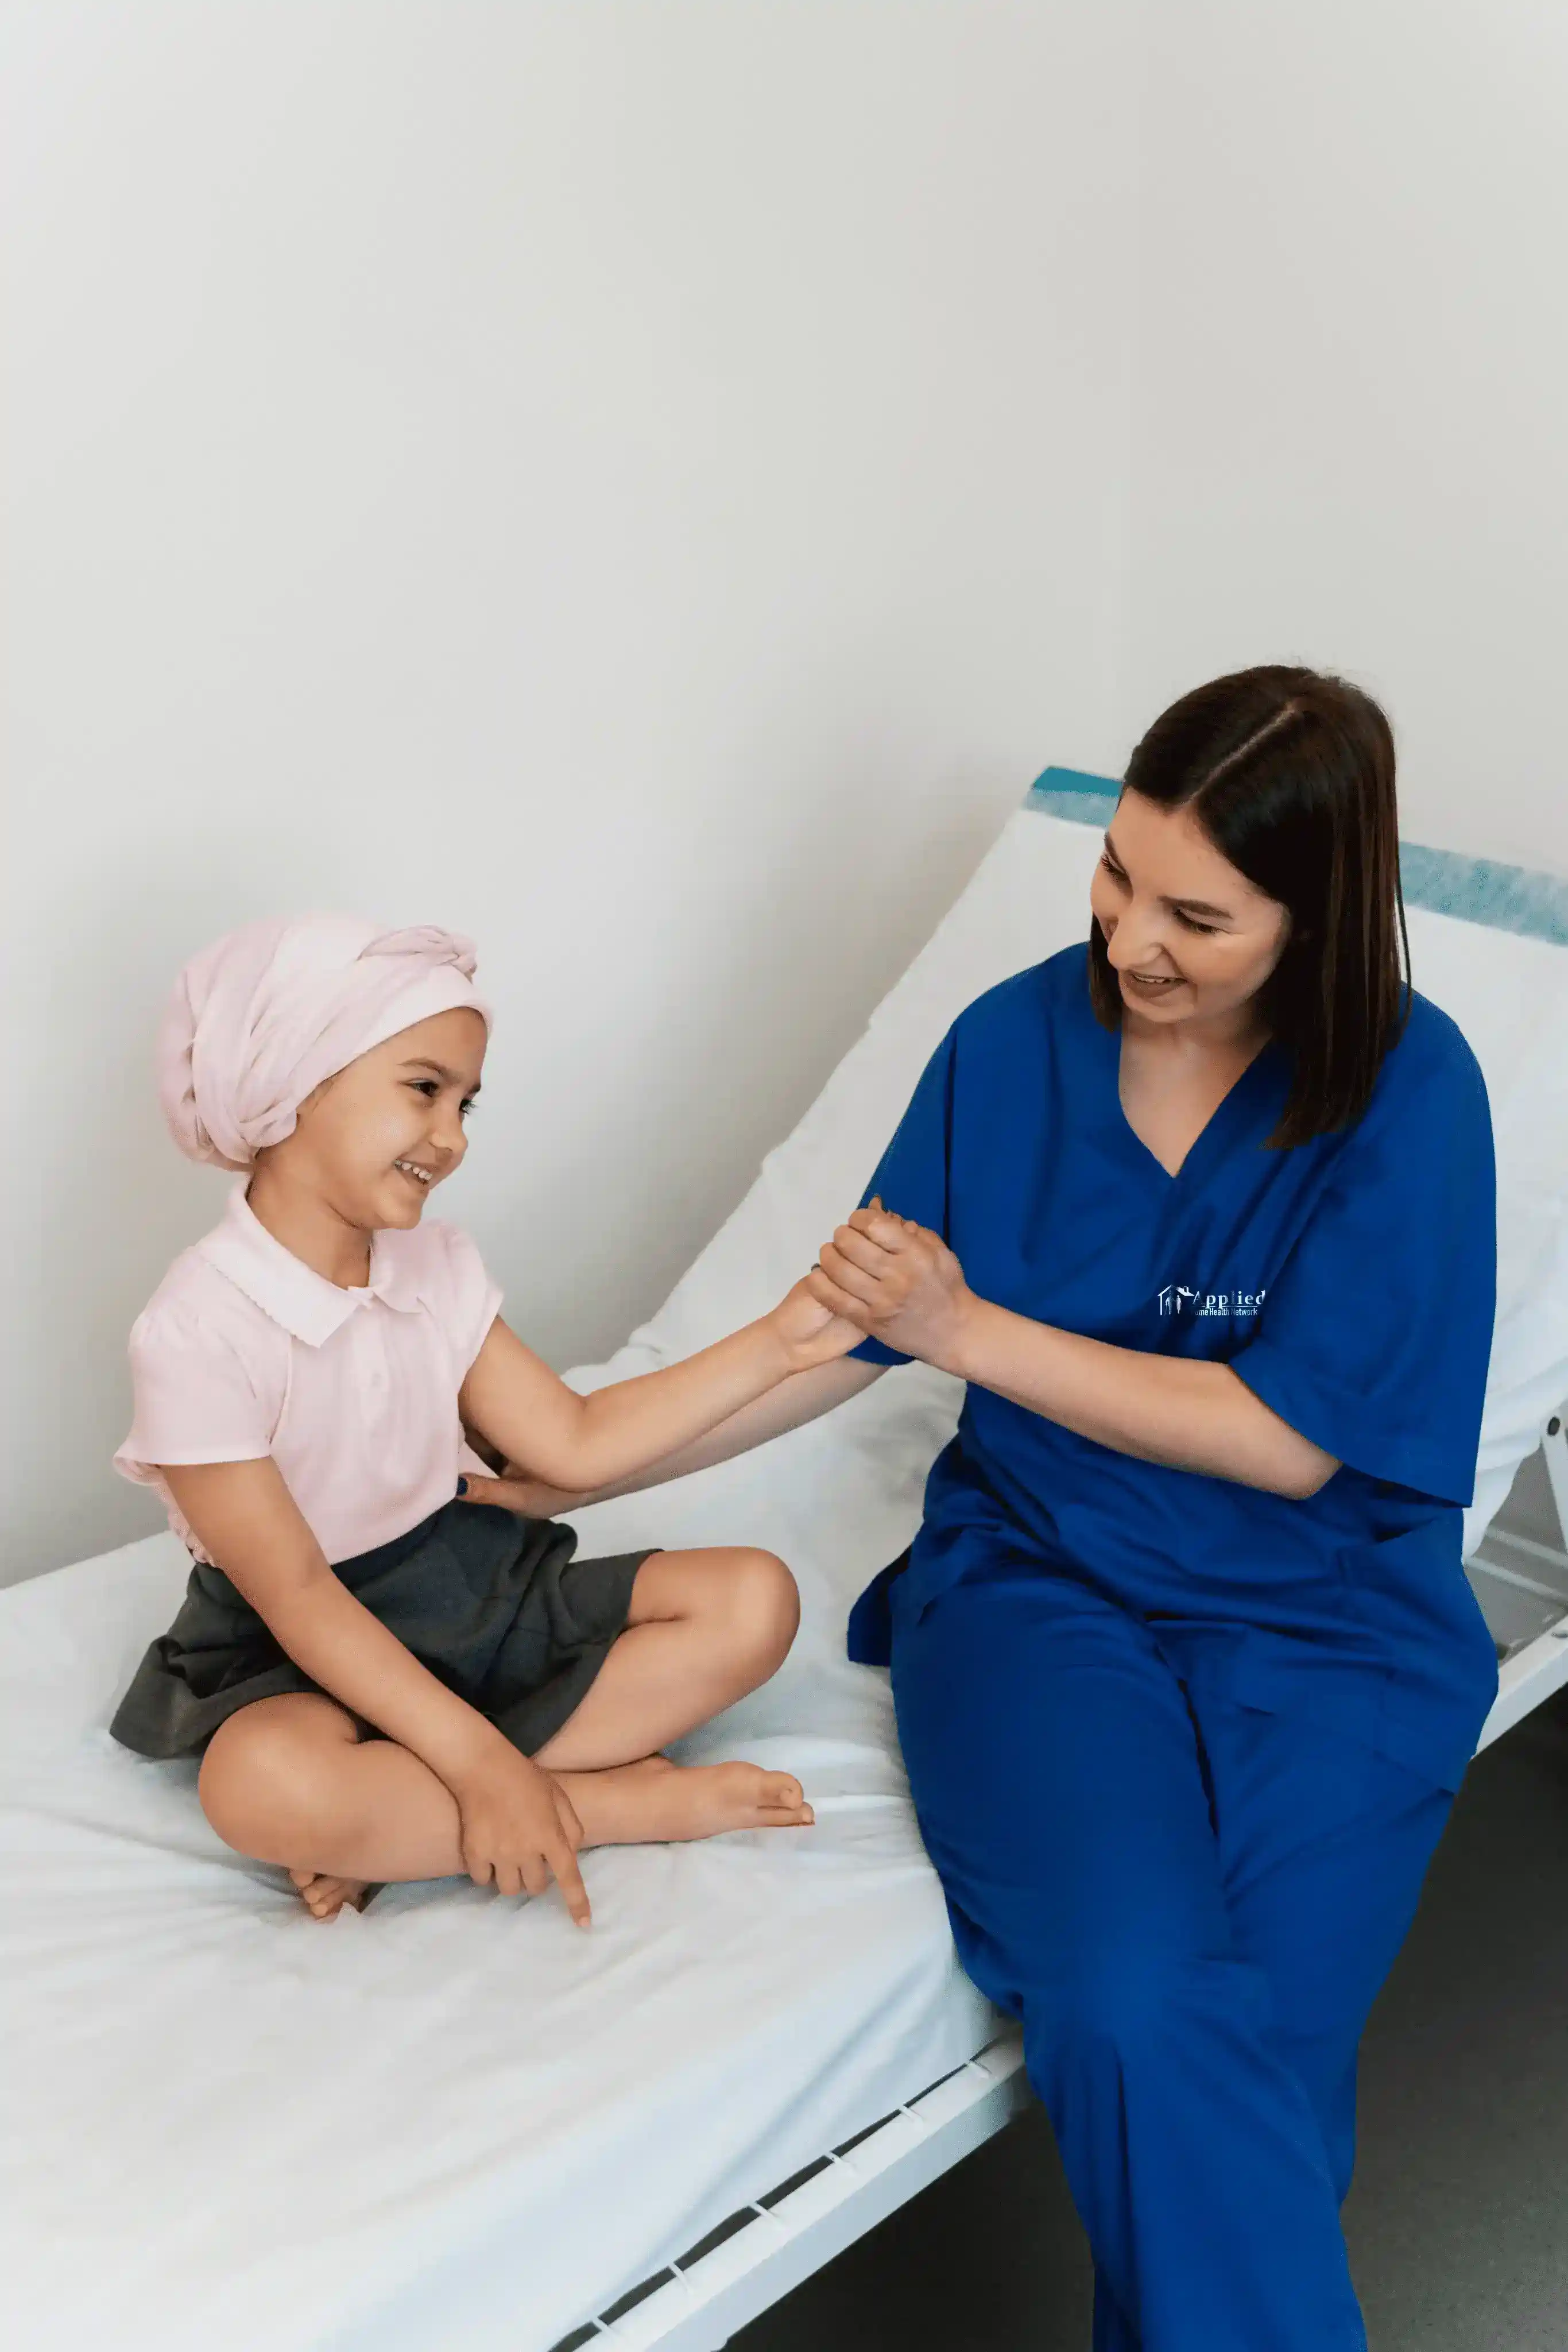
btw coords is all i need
(382, 1681)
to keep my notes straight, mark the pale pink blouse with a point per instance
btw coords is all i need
(244, 1352)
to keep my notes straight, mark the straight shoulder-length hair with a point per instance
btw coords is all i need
(1290, 774)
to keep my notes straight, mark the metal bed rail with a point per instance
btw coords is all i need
(1522, 1586)
(729, 2278)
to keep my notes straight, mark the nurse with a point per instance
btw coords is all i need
(1185, 1666)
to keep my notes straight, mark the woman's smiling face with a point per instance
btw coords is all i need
(1189, 937)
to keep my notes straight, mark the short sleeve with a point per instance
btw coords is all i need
(1374, 1337)
(195, 1400)
(470, 1301)
(912, 1175)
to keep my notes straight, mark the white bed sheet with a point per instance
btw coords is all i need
(456, 2121)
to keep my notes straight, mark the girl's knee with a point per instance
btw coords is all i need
(765, 1606)
(265, 1784)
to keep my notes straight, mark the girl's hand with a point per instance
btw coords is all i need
(810, 1332)
(897, 1282)
(519, 1830)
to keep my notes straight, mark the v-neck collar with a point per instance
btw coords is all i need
(1239, 1109)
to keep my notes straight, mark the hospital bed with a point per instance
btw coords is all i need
(455, 2123)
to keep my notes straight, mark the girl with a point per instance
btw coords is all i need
(382, 1681)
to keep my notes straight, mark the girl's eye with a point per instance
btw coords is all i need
(1109, 866)
(431, 1087)
(1191, 923)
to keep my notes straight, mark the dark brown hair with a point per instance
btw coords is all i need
(1290, 774)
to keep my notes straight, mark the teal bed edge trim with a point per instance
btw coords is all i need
(1476, 890)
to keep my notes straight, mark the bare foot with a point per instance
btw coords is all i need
(655, 1802)
(324, 1896)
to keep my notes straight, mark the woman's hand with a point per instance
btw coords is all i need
(519, 1830)
(515, 1490)
(811, 1333)
(897, 1282)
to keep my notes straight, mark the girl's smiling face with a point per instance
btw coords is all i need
(1187, 936)
(375, 1141)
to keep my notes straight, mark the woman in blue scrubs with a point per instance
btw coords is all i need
(1185, 1665)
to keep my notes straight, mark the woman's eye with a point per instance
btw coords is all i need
(425, 1087)
(466, 1106)
(1192, 924)
(1109, 866)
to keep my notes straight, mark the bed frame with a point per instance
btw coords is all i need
(702, 2298)
(1522, 1583)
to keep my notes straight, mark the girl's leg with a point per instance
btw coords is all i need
(1062, 1793)
(289, 1781)
(705, 1628)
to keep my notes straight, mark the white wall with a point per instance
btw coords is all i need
(1351, 420)
(642, 484)
(650, 484)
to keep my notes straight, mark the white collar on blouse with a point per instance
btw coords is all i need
(293, 1294)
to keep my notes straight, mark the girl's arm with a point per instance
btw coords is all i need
(517, 1827)
(589, 1445)
(803, 1397)
(243, 1515)
(905, 1285)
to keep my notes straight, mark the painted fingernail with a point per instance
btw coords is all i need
(463, 1486)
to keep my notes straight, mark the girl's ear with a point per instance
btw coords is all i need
(316, 1094)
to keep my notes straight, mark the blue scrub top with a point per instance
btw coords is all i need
(1350, 1282)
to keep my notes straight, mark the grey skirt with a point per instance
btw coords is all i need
(495, 1605)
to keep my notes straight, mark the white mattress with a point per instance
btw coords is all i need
(456, 2121)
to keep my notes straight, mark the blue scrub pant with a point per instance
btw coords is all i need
(1191, 1906)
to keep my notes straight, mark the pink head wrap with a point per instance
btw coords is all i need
(260, 1018)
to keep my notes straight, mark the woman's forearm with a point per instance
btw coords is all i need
(904, 1285)
(1166, 1408)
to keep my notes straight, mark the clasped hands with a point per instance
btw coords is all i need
(897, 1282)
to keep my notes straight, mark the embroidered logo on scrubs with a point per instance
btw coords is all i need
(1175, 1298)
